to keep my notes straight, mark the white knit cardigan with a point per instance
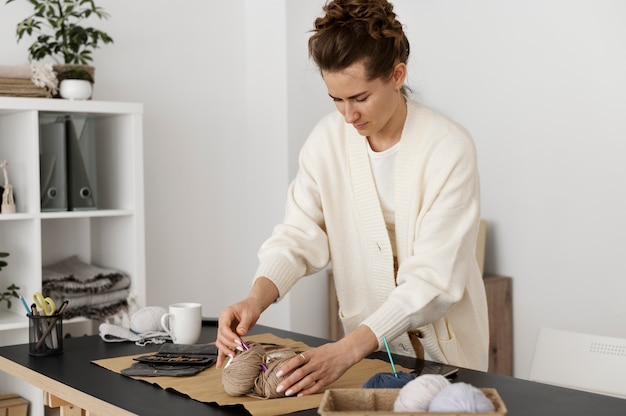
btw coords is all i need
(333, 215)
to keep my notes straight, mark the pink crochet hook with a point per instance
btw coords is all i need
(245, 346)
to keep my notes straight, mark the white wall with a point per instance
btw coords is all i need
(229, 97)
(215, 134)
(541, 86)
(307, 102)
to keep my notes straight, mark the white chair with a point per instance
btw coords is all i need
(580, 361)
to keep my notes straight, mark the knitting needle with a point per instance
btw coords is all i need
(393, 367)
(230, 360)
(245, 346)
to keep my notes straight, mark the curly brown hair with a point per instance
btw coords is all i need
(359, 30)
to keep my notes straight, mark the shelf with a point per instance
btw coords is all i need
(16, 217)
(87, 214)
(10, 105)
(12, 320)
(111, 236)
(68, 214)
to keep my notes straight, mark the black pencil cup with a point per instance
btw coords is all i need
(45, 335)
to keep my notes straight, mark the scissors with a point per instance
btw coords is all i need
(46, 304)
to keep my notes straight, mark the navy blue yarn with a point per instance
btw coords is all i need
(389, 380)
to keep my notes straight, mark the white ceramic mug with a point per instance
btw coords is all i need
(183, 322)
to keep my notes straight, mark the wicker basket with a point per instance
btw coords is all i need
(379, 402)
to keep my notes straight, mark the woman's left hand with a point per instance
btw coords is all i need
(318, 367)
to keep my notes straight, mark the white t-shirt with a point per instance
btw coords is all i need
(384, 169)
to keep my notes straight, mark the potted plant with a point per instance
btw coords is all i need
(75, 83)
(12, 290)
(60, 35)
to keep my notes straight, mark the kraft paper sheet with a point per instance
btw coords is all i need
(207, 385)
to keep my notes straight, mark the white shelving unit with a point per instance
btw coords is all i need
(111, 236)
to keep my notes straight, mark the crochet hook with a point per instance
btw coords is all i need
(245, 346)
(393, 367)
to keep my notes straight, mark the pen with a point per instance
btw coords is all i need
(28, 311)
(34, 312)
(245, 346)
(393, 367)
(62, 308)
(39, 324)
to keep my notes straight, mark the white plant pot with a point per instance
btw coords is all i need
(75, 89)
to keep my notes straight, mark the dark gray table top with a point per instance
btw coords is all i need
(74, 368)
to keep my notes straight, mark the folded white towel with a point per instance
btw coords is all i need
(145, 328)
(116, 333)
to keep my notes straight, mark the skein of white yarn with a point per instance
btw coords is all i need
(462, 398)
(417, 394)
(147, 319)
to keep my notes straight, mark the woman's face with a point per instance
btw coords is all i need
(374, 107)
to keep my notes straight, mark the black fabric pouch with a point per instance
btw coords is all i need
(160, 370)
(174, 360)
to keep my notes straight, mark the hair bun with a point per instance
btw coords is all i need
(377, 16)
(355, 30)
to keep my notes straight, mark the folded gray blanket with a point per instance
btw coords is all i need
(91, 291)
(96, 306)
(74, 269)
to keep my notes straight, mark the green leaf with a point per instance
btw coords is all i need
(7, 295)
(61, 21)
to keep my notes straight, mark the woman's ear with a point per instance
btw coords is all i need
(399, 75)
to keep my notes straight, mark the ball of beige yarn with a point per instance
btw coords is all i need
(239, 377)
(267, 381)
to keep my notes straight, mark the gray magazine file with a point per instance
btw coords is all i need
(52, 165)
(81, 163)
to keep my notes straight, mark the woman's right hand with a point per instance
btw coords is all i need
(236, 320)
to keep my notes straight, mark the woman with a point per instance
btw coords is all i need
(388, 191)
